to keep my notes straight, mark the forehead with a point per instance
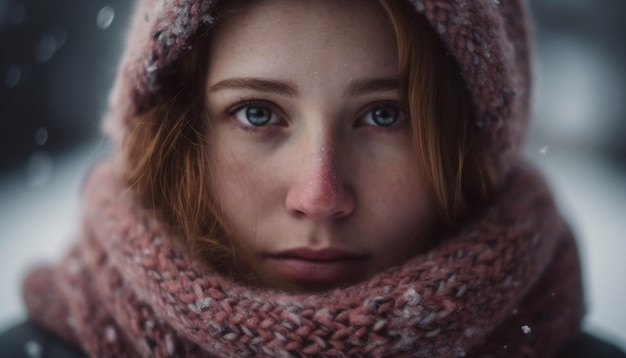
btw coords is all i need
(289, 37)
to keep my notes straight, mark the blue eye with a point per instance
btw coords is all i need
(382, 116)
(256, 115)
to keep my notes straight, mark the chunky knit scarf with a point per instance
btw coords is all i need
(507, 285)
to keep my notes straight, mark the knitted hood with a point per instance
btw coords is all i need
(488, 38)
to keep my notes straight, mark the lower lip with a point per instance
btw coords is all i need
(314, 271)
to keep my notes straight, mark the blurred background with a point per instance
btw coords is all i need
(58, 61)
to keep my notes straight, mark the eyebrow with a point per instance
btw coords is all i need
(256, 84)
(355, 88)
(362, 87)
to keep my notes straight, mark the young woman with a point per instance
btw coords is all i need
(318, 178)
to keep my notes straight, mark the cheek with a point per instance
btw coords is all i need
(391, 178)
(407, 199)
(243, 184)
(232, 181)
(400, 209)
(231, 184)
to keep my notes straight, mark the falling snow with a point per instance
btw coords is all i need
(41, 136)
(105, 17)
(33, 349)
(39, 169)
(16, 15)
(525, 329)
(46, 47)
(50, 43)
(13, 76)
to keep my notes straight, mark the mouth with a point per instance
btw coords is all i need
(325, 267)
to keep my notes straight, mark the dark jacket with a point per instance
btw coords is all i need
(28, 340)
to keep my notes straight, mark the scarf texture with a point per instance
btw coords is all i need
(507, 285)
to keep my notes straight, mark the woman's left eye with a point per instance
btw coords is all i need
(383, 116)
(256, 115)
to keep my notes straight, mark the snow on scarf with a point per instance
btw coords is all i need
(508, 284)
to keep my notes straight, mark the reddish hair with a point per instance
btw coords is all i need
(450, 152)
(166, 154)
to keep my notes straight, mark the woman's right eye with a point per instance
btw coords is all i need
(256, 115)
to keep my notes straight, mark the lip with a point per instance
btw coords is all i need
(326, 266)
(325, 254)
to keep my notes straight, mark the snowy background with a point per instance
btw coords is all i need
(56, 66)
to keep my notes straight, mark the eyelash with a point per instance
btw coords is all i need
(243, 103)
(393, 104)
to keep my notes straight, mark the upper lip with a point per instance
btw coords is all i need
(313, 254)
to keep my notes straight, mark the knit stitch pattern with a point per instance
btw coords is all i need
(509, 283)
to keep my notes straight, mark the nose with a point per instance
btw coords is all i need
(320, 191)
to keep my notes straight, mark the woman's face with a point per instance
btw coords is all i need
(311, 157)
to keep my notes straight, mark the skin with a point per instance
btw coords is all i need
(322, 175)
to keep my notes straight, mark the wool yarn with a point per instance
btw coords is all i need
(507, 285)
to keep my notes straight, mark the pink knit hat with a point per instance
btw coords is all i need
(489, 39)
